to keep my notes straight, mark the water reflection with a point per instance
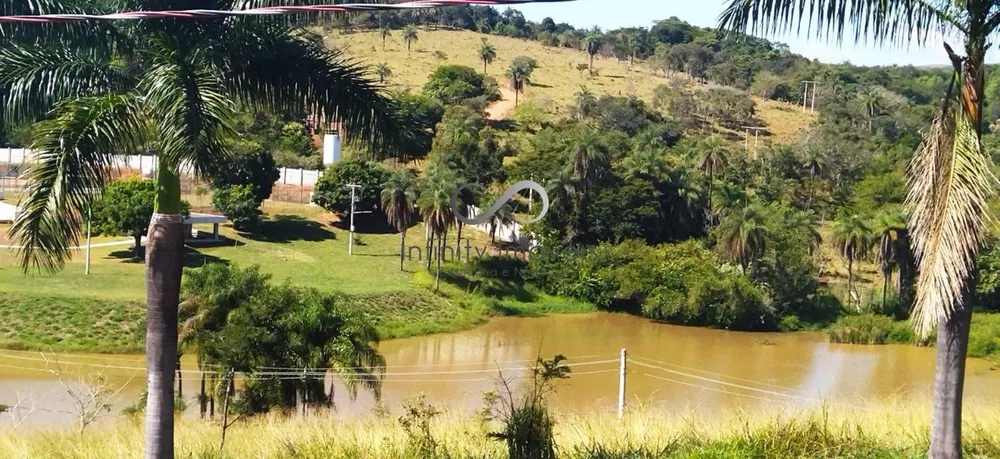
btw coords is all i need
(674, 368)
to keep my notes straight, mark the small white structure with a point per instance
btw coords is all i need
(203, 219)
(7, 212)
(331, 149)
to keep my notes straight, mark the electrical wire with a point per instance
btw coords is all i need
(265, 11)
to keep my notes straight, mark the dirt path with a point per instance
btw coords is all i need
(501, 109)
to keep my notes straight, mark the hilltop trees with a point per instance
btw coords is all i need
(451, 84)
(593, 44)
(519, 74)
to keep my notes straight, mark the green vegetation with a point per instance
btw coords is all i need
(71, 323)
(238, 204)
(889, 431)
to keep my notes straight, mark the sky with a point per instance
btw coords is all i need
(612, 14)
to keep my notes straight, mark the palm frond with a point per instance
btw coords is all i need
(195, 113)
(73, 154)
(283, 69)
(899, 21)
(950, 183)
(34, 78)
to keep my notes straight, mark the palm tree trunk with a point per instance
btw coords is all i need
(138, 247)
(202, 399)
(458, 241)
(484, 66)
(850, 281)
(885, 287)
(437, 275)
(402, 248)
(164, 262)
(591, 64)
(711, 183)
(949, 380)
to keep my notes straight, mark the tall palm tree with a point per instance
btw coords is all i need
(950, 176)
(519, 75)
(742, 235)
(435, 207)
(714, 158)
(103, 90)
(383, 71)
(853, 236)
(806, 223)
(386, 32)
(889, 228)
(410, 36)
(487, 53)
(592, 42)
(398, 197)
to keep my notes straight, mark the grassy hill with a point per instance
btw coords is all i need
(554, 83)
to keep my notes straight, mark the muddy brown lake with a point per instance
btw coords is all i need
(669, 367)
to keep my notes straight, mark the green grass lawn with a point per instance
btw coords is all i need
(303, 245)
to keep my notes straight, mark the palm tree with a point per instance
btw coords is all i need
(950, 176)
(648, 162)
(435, 207)
(853, 236)
(742, 235)
(383, 71)
(410, 36)
(398, 197)
(805, 223)
(386, 32)
(585, 101)
(871, 101)
(593, 44)
(519, 75)
(815, 164)
(487, 53)
(890, 227)
(503, 217)
(714, 158)
(106, 89)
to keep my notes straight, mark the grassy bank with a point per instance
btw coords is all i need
(984, 336)
(884, 432)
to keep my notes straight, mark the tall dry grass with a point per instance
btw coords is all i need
(885, 430)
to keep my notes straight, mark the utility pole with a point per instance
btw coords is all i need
(746, 141)
(86, 259)
(621, 384)
(354, 199)
(806, 97)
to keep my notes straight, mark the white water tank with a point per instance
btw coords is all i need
(331, 149)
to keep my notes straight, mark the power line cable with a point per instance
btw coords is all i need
(265, 11)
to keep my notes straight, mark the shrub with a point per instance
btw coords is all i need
(248, 164)
(126, 209)
(869, 329)
(332, 193)
(238, 204)
(452, 84)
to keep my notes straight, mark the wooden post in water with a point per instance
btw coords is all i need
(621, 384)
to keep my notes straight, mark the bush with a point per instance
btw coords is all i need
(126, 209)
(679, 283)
(238, 204)
(248, 164)
(452, 84)
(870, 329)
(332, 193)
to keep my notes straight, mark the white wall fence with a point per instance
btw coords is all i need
(147, 164)
(506, 233)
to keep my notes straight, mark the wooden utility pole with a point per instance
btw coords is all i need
(621, 384)
(756, 138)
(806, 96)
